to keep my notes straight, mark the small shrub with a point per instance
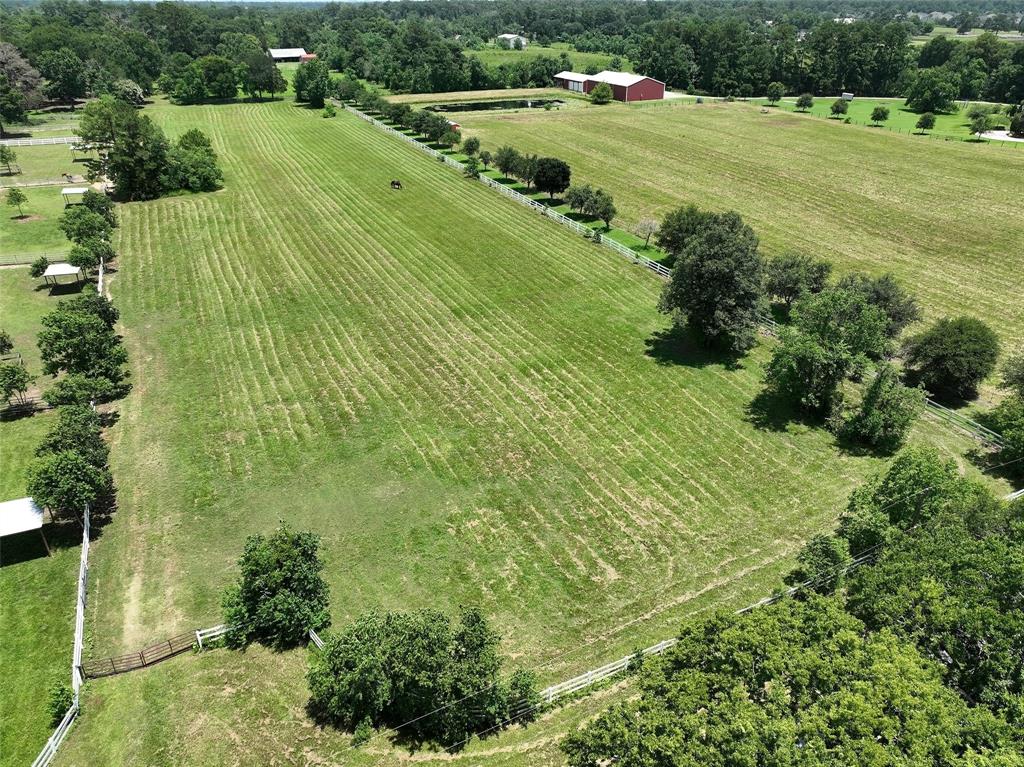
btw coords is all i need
(362, 734)
(601, 94)
(329, 110)
(38, 267)
(61, 698)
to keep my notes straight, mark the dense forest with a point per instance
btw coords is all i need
(727, 48)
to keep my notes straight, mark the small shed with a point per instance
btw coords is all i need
(286, 54)
(60, 269)
(70, 193)
(571, 81)
(21, 515)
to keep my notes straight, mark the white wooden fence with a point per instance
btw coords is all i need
(54, 741)
(40, 141)
(963, 423)
(208, 635)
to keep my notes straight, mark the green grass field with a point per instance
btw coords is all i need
(469, 403)
(37, 599)
(903, 120)
(494, 56)
(942, 216)
(1013, 37)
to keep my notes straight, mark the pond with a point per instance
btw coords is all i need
(473, 106)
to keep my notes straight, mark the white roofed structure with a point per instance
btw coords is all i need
(575, 77)
(287, 54)
(21, 516)
(625, 79)
(72, 191)
(61, 269)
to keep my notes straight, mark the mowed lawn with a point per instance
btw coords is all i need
(948, 125)
(458, 395)
(945, 217)
(494, 56)
(37, 593)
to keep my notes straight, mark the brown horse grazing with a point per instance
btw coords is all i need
(396, 184)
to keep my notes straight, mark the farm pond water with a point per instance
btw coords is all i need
(474, 106)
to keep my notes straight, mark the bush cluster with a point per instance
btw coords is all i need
(280, 593)
(442, 678)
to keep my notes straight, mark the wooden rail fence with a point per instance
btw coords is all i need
(141, 658)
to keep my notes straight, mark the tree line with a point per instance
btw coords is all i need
(841, 357)
(68, 50)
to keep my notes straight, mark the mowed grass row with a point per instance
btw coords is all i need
(945, 217)
(455, 393)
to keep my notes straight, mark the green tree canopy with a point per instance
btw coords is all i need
(716, 285)
(280, 593)
(553, 176)
(932, 90)
(797, 683)
(442, 680)
(64, 482)
(953, 356)
(679, 226)
(792, 276)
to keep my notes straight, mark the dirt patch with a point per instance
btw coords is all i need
(25, 219)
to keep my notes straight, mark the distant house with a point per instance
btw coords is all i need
(509, 41)
(625, 86)
(280, 55)
(306, 57)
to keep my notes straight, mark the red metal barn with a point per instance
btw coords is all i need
(625, 87)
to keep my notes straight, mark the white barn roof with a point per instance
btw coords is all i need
(575, 77)
(19, 516)
(287, 53)
(624, 79)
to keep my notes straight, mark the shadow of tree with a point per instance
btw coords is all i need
(682, 346)
(770, 411)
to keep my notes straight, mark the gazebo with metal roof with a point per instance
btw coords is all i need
(22, 515)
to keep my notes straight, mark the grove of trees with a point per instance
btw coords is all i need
(911, 658)
(441, 679)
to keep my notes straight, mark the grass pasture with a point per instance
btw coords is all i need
(493, 56)
(953, 125)
(942, 216)
(36, 592)
(467, 402)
